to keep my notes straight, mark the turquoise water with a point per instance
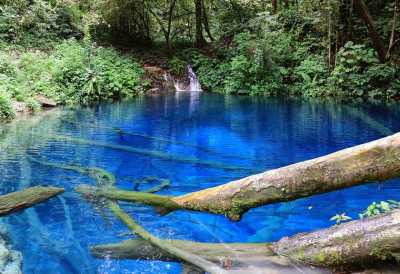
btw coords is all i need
(194, 143)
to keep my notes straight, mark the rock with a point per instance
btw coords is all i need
(45, 102)
(19, 107)
(153, 91)
(10, 260)
(154, 70)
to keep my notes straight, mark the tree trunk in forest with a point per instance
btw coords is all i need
(286, 4)
(17, 201)
(205, 22)
(373, 33)
(392, 41)
(375, 161)
(355, 243)
(274, 6)
(200, 41)
(345, 19)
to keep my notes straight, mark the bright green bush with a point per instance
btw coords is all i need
(177, 65)
(284, 55)
(6, 110)
(250, 67)
(87, 74)
(358, 73)
(37, 22)
(310, 77)
(71, 73)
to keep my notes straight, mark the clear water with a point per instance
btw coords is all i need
(253, 133)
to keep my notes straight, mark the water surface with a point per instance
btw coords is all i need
(195, 142)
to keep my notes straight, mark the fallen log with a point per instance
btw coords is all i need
(17, 201)
(375, 161)
(355, 243)
(164, 245)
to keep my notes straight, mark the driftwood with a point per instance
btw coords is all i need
(357, 243)
(17, 201)
(375, 161)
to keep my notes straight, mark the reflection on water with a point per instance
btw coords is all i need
(252, 133)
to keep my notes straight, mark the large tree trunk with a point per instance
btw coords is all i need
(17, 201)
(205, 22)
(274, 6)
(355, 243)
(373, 33)
(375, 161)
(200, 41)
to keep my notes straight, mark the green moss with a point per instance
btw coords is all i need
(321, 257)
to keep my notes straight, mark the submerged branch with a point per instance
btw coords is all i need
(17, 201)
(152, 153)
(164, 244)
(123, 132)
(375, 161)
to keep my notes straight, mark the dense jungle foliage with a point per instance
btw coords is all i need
(86, 51)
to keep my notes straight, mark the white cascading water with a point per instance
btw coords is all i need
(194, 84)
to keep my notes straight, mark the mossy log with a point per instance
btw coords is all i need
(355, 243)
(17, 201)
(375, 161)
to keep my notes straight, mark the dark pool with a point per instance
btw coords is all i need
(252, 133)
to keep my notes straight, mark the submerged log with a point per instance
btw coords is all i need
(164, 245)
(17, 201)
(360, 242)
(375, 161)
(152, 153)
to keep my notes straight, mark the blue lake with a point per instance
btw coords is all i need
(254, 134)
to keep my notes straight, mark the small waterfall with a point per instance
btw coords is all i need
(194, 84)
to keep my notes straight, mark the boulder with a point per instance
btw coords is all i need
(45, 101)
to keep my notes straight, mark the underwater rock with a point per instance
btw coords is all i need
(10, 260)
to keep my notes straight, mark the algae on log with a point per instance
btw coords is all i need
(23, 199)
(375, 161)
(354, 243)
(357, 243)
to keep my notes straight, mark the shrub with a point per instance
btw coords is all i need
(249, 67)
(311, 77)
(358, 73)
(71, 73)
(37, 22)
(177, 65)
(6, 110)
(88, 74)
